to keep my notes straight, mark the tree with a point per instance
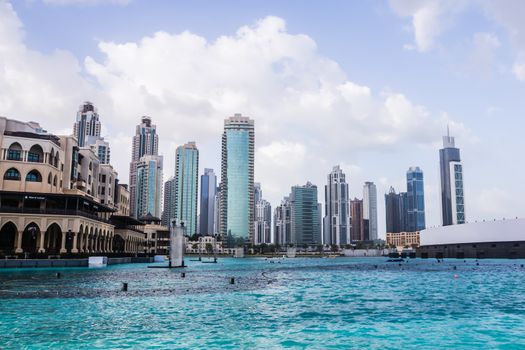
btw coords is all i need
(195, 246)
(334, 248)
(209, 248)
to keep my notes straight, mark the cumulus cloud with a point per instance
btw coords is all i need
(309, 115)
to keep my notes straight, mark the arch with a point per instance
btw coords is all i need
(30, 237)
(35, 154)
(12, 174)
(34, 176)
(49, 177)
(14, 152)
(57, 159)
(51, 156)
(8, 238)
(55, 181)
(53, 239)
(118, 244)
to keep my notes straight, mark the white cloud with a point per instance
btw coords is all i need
(309, 115)
(519, 70)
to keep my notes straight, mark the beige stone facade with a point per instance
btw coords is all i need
(403, 239)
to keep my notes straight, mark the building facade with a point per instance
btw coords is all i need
(336, 223)
(305, 215)
(357, 232)
(186, 186)
(145, 142)
(263, 222)
(282, 218)
(415, 200)
(207, 203)
(148, 186)
(87, 124)
(168, 212)
(451, 175)
(237, 174)
(370, 211)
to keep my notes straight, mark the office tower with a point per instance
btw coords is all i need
(396, 208)
(148, 186)
(186, 186)
(370, 211)
(337, 219)
(356, 213)
(86, 130)
(87, 123)
(451, 171)
(415, 200)
(257, 192)
(145, 142)
(169, 202)
(282, 218)
(305, 218)
(263, 222)
(237, 202)
(207, 208)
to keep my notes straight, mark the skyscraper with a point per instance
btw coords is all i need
(148, 186)
(305, 215)
(145, 142)
(186, 185)
(87, 123)
(282, 219)
(396, 211)
(415, 200)
(370, 211)
(169, 202)
(451, 171)
(237, 195)
(87, 132)
(207, 209)
(337, 219)
(356, 212)
(263, 222)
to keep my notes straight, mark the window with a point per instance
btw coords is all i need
(12, 174)
(55, 181)
(14, 152)
(49, 178)
(33, 176)
(35, 154)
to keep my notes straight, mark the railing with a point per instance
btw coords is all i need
(47, 211)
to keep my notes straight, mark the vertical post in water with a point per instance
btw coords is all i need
(176, 244)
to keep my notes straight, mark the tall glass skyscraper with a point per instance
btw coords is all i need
(282, 221)
(415, 200)
(305, 215)
(186, 186)
(87, 124)
(451, 171)
(337, 209)
(207, 210)
(145, 142)
(237, 165)
(148, 186)
(396, 211)
(370, 211)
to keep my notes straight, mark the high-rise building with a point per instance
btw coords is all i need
(145, 142)
(263, 222)
(87, 124)
(282, 219)
(86, 129)
(217, 211)
(237, 165)
(168, 213)
(396, 211)
(337, 219)
(148, 186)
(451, 171)
(305, 215)
(415, 200)
(357, 232)
(186, 186)
(207, 208)
(370, 211)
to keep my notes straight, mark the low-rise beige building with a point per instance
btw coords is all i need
(403, 239)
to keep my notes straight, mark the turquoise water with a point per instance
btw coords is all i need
(290, 303)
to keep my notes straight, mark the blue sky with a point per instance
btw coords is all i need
(370, 85)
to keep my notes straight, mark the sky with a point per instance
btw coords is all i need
(367, 85)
